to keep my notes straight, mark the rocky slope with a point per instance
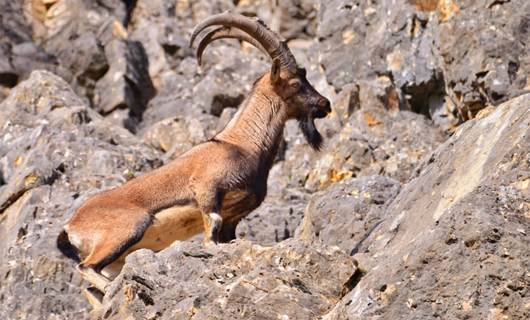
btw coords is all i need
(455, 240)
(392, 220)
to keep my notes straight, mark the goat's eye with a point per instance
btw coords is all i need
(295, 84)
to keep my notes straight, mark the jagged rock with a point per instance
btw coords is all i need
(18, 54)
(355, 45)
(179, 134)
(455, 241)
(228, 73)
(443, 60)
(54, 152)
(347, 212)
(126, 84)
(276, 219)
(363, 43)
(154, 24)
(293, 19)
(76, 33)
(164, 27)
(481, 65)
(239, 280)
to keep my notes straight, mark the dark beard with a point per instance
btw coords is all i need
(311, 134)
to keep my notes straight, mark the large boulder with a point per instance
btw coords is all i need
(456, 239)
(347, 212)
(54, 153)
(292, 280)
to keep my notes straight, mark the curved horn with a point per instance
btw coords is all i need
(225, 33)
(256, 29)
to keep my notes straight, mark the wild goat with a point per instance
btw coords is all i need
(213, 185)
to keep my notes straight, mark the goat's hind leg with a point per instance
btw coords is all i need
(109, 249)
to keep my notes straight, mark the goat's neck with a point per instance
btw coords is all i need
(258, 126)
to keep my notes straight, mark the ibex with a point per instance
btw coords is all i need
(212, 186)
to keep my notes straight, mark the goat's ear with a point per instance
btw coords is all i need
(275, 71)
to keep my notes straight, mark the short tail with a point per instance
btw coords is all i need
(65, 246)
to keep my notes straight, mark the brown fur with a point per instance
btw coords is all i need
(225, 176)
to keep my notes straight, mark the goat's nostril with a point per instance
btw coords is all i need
(326, 105)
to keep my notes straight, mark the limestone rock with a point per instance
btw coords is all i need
(177, 135)
(293, 19)
(437, 232)
(223, 81)
(276, 219)
(76, 32)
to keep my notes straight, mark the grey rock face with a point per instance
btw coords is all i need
(54, 153)
(177, 135)
(76, 32)
(444, 61)
(127, 83)
(485, 64)
(19, 55)
(346, 213)
(293, 19)
(83, 41)
(455, 241)
(190, 92)
(231, 281)
(276, 219)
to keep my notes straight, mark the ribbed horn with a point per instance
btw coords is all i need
(255, 29)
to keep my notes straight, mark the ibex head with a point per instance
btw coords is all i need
(286, 78)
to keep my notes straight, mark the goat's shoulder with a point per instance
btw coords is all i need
(217, 160)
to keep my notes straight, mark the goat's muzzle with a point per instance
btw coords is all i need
(323, 108)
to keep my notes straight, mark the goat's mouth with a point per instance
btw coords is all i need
(311, 134)
(319, 114)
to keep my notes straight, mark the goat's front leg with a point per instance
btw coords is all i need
(213, 223)
(210, 203)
